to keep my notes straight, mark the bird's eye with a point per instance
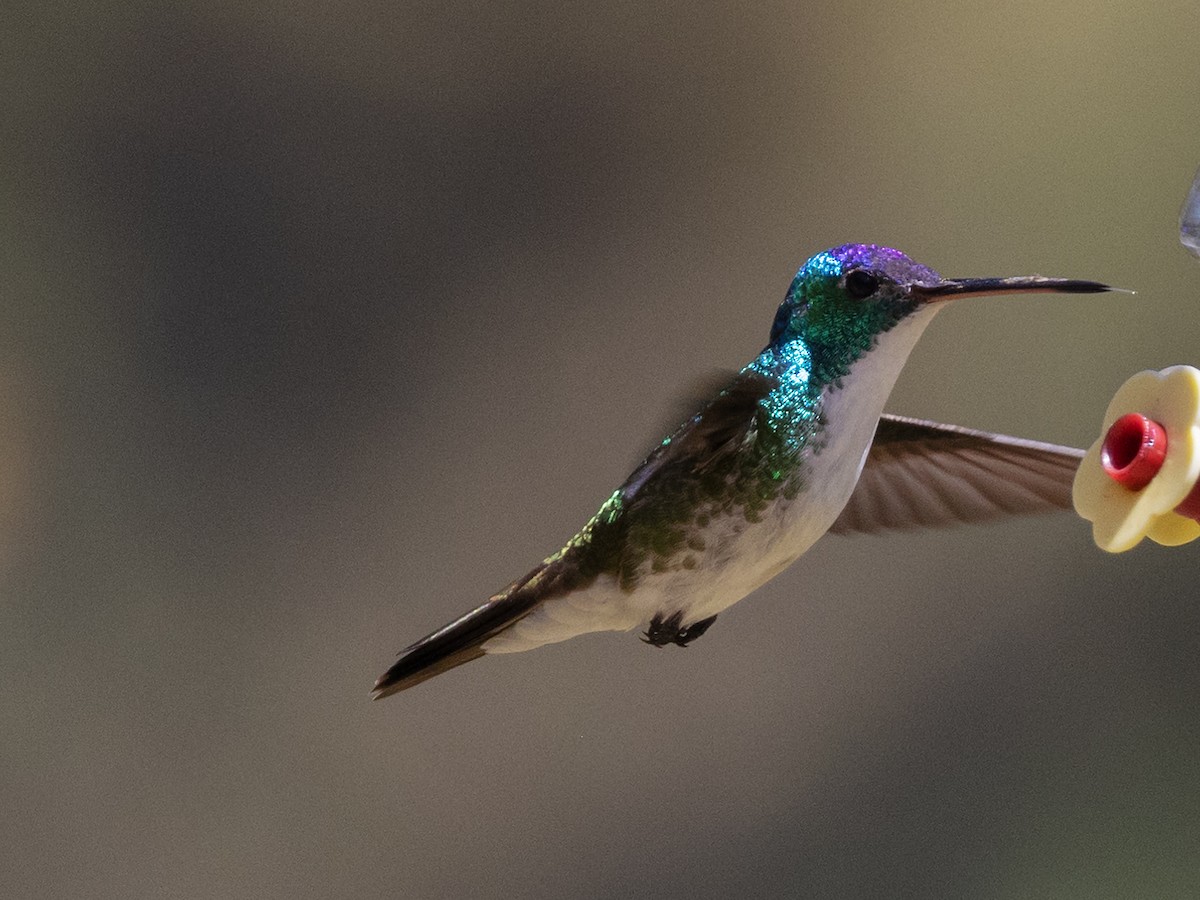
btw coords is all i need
(861, 284)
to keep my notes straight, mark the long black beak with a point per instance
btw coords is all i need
(950, 288)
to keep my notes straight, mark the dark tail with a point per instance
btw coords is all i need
(462, 640)
(452, 645)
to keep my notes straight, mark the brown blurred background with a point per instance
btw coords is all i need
(319, 323)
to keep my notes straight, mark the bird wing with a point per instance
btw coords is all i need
(707, 437)
(921, 474)
(703, 440)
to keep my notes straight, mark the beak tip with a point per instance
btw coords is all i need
(951, 288)
(1069, 286)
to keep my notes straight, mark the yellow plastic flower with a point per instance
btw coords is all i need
(1121, 517)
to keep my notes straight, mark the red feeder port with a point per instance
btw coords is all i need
(1133, 450)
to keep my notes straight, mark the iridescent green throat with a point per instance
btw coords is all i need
(836, 328)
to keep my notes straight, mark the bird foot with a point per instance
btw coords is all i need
(670, 631)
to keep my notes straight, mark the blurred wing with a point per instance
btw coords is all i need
(690, 400)
(924, 475)
(716, 430)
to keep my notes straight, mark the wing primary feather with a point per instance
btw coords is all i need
(921, 474)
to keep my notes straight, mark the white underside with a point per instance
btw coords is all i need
(742, 556)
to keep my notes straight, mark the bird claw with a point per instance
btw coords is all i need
(671, 631)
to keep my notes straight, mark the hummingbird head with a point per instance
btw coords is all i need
(851, 294)
(843, 299)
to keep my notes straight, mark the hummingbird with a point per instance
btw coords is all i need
(794, 446)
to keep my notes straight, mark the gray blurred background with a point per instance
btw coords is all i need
(319, 323)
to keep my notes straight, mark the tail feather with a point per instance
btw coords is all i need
(462, 640)
(452, 645)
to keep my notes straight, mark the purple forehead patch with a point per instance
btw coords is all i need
(866, 255)
(892, 263)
